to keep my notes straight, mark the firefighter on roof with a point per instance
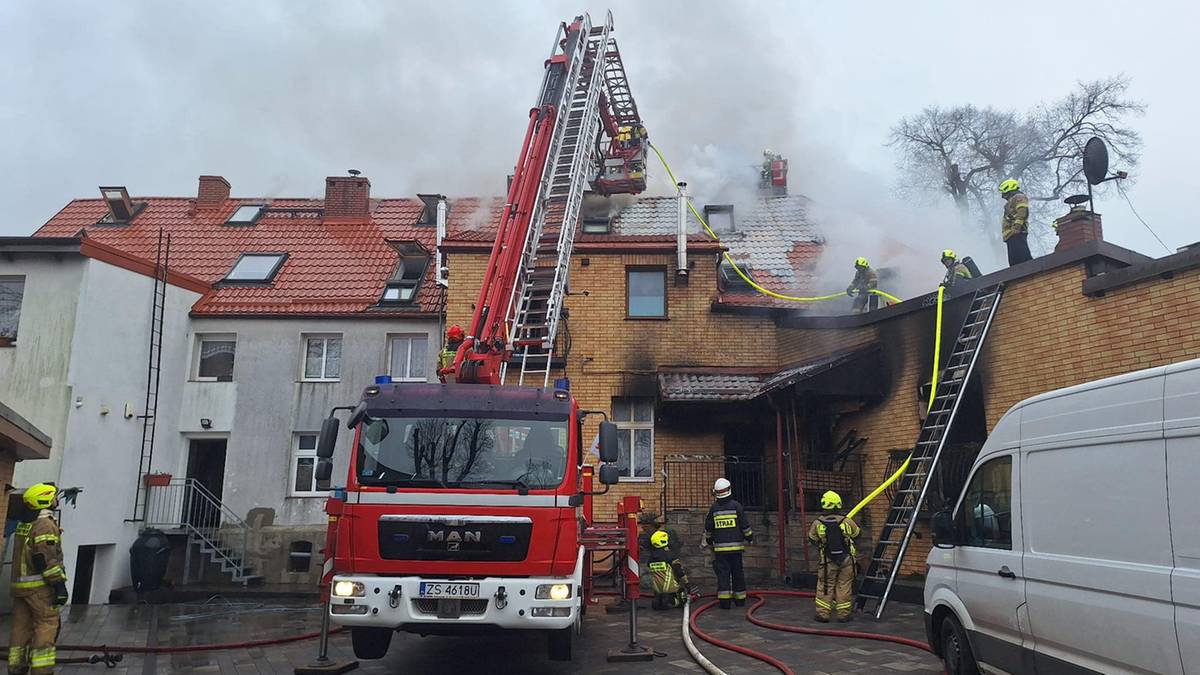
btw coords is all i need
(956, 270)
(834, 535)
(865, 280)
(667, 576)
(39, 585)
(1014, 224)
(727, 530)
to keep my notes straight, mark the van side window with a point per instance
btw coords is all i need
(986, 516)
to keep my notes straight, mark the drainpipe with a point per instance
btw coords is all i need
(442, 272)
(781, 521)
(681, 262)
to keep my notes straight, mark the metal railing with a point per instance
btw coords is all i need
(688, 481)
(186, 504)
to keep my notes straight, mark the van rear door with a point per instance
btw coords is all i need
(1097, 535)
(1181, 425)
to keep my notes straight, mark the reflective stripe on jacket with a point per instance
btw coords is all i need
(850, 530)
(42, 538)
(726, 526)
(1016, 216)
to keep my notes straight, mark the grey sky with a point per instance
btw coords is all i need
(433, 97)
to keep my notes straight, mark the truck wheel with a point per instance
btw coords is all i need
(370, 643)
(956, 650)
(560, 642)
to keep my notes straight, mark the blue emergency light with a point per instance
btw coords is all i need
(562, 383)
(383, 379)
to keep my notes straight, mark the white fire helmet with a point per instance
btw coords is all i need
(722, 488)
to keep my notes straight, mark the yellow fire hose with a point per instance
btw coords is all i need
(736, 268)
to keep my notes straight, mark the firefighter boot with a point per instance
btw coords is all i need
(20, 636)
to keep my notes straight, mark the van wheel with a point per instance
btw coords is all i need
(559, 643)
(370, 643)
(956, 650)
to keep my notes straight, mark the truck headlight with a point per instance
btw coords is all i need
(552, 592)
(349, 589)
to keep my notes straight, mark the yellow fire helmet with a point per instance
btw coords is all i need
(949, 254)
(40, 496)
(659, 539)
(1009, 185)
(861, 262)
(831, 500)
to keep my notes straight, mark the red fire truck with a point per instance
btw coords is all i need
(468, 503)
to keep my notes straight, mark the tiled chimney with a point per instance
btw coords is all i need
(1079, 226)
(347, 198)
(214, 190)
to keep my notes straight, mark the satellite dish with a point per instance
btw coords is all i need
(1077, 200)
(1095, 161)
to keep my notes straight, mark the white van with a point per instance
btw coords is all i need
(1075, 546)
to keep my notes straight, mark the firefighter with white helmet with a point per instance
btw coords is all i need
(834, 535)
(728, 531)
(39, 585)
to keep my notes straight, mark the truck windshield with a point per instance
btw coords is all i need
(471, 452)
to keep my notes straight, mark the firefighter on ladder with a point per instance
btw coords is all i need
(865, 280)
(727, 531)
(667, 576)
(39, 585)
(834, 536)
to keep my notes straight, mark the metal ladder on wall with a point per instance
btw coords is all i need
(149, 415)
(914, 484)
(538, 299)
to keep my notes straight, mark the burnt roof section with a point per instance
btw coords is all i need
(717, 384)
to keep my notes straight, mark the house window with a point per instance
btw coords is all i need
(646, 293)
(12, 289)
(304, 467)
(731, 280)
(597, 225)
(408, 357)
(322, 357)
(719, 217)
(635, 430)
(300, 556)
(255, 267)
(410, 269)
(214, 357)
(246, 214)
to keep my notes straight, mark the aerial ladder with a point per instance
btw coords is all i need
(583, 133)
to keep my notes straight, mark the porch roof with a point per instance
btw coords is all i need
(731, 384)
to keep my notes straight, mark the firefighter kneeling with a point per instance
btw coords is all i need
(667, 576)
(834, 535)
(39, 586)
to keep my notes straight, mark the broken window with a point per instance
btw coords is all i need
(719, 217)
(646, 293)
(246, 214)
(634, 417)
(256, 267)
(410, 270)
(731, 280)
(12, 290)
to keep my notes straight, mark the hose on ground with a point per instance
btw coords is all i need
(699, 658)
(760, 597)
(179, 649)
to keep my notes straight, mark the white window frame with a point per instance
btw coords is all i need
(294, 465)
(201, 338)
(326, 337)
(630, 425)
(391, 344)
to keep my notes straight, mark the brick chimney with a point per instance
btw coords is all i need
(347, 198)
(1077, 227)
(214, 190)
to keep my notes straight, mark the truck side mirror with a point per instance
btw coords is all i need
(610, 449)
(328, 438)
(324, 469)
(610, 474)
(942, 525)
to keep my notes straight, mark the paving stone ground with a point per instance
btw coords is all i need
(221, 620)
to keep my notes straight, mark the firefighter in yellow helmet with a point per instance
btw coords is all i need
(39, 585)
(956, 270)
(834, 536)
(667, 575)
(865, 280)
(1014, 224)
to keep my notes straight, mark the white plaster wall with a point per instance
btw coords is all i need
(271, 403)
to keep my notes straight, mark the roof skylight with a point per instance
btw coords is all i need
(256, 267)
(246, 214)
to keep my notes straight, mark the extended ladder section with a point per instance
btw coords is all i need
(535, 308)
(149, 415)
(913, 486)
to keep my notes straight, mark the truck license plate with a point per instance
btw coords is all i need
(439, 589)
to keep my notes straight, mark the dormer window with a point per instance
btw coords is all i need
(121, 208)
(255, 268)
(246, 214)
(719, 217)
(410, 270)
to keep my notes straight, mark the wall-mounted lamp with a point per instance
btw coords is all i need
(205, 423)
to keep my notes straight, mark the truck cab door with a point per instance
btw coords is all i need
(991, 580)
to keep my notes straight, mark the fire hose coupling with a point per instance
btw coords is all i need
(394, 596)
(501, 598)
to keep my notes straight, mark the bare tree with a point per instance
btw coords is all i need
(964, 152)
